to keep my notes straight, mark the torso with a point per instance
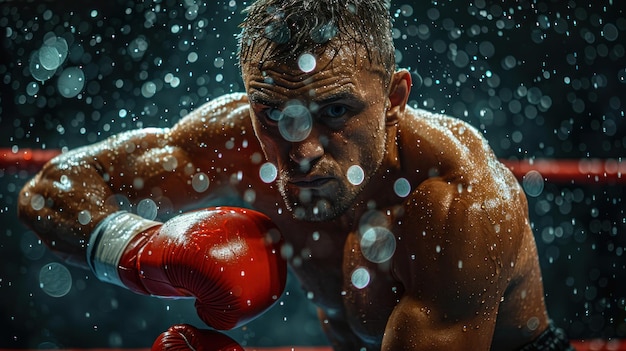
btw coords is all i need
(324, 256)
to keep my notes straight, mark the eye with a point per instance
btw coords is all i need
(336, 111)
(273, 114)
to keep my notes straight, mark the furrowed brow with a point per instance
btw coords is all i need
(262, 99)
(339, 96)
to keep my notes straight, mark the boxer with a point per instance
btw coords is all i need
(401, 224)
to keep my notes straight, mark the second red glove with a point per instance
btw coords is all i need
(184, 337)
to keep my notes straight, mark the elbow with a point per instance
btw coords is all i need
(31, 200)
(26, 202)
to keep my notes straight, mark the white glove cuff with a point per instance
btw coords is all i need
(109, 240)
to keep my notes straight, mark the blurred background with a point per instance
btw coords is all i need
(540, 79)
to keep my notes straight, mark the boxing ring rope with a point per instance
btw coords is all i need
(594, 345)
(582, 171)
(563, 171)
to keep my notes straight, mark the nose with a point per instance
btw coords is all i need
(306, 152)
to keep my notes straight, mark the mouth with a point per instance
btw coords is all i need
(311, 182)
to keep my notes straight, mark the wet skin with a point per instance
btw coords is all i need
(465, 270)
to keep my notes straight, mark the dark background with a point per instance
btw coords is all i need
(540, 79)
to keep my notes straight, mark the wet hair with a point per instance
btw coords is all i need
(284, 29)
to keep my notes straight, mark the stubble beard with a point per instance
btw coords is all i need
(313, 208)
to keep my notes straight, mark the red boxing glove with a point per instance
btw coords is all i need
(227, 258)
(184, 337)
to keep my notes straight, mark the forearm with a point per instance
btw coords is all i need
(415, 326)
(64, 202)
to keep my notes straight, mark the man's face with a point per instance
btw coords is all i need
(321, 122)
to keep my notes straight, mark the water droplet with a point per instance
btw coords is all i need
(316, 236)
(295, 123)
(406, 10)
(137, 48)
(378, 244)
(218, 62)
(147, 209)
(148, 89)
(49, 57)
(249, 196)
(200, 182)
(286, 251)
(55, 279)
(71, 82)
(306, 62)
(621, 75)
(37, 70)
(60, 44)
(37, 202)
(192, 57)
(268, 172)
(32, 88)
(371, 219)
(533, 183)
(402, 187)
(192, 12)
(355, 175)
(610, 32)
(170, 162)
(532, 323)
(84, 217)
(360, 278)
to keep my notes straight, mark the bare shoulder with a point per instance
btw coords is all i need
(226, 111)
(221, 127)
(452, 148)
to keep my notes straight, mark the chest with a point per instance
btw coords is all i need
(370, 292)
(348, 275)
(344, 281)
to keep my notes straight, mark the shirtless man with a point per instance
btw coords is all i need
(402, 224)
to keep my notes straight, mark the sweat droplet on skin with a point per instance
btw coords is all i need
(84, 217)
(402, 187)
(306, 62)
(268, 172)
(355, 175)
(360, 278)
(295, 122)
(37, 202)
(378, 244)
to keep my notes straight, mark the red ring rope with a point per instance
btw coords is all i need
(583, 171)
(579, 345)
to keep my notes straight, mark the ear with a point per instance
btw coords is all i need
(399, 91)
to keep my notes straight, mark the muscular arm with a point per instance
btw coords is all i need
(451, 288)
(461, 236)
(72, 193)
